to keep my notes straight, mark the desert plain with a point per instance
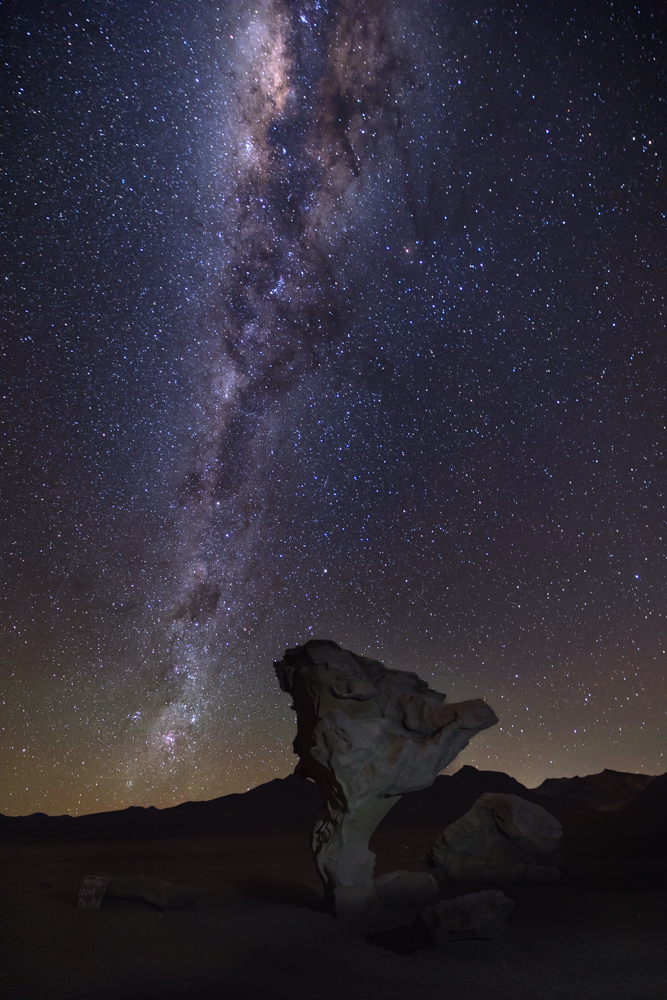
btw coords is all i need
(258, 927)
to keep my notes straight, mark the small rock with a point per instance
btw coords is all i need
(477, 915)
(164, 895)
(413, 888)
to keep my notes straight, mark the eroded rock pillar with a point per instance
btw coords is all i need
(366, 735)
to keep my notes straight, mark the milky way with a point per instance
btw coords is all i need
(329, 319)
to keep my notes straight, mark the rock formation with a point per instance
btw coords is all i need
(366, 735)
(503, 838)
(164, 895)
(477, 915)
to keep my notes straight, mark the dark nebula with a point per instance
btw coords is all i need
(329, 319)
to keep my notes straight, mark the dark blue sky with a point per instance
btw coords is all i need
(329, 320)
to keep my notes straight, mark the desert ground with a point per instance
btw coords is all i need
(257, 927)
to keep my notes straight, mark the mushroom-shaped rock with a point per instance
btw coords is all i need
(366, 735)
(503, 838)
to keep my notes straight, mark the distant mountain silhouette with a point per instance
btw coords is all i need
(614, 824)
(294, 802)
(649, 807)
(606, 790)
(487, 781)
(280, 802)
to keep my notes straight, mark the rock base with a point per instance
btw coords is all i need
(406, 888)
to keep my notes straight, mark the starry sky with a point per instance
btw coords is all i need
(339, 320)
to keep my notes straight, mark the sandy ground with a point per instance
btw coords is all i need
(255, 931)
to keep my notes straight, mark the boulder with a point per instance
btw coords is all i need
(477, 915)
(503, 838)
(366, 735)
(164, 895)
(401, 888)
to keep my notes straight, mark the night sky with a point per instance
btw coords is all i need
(328, 319)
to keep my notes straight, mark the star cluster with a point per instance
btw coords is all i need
(329, 319)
